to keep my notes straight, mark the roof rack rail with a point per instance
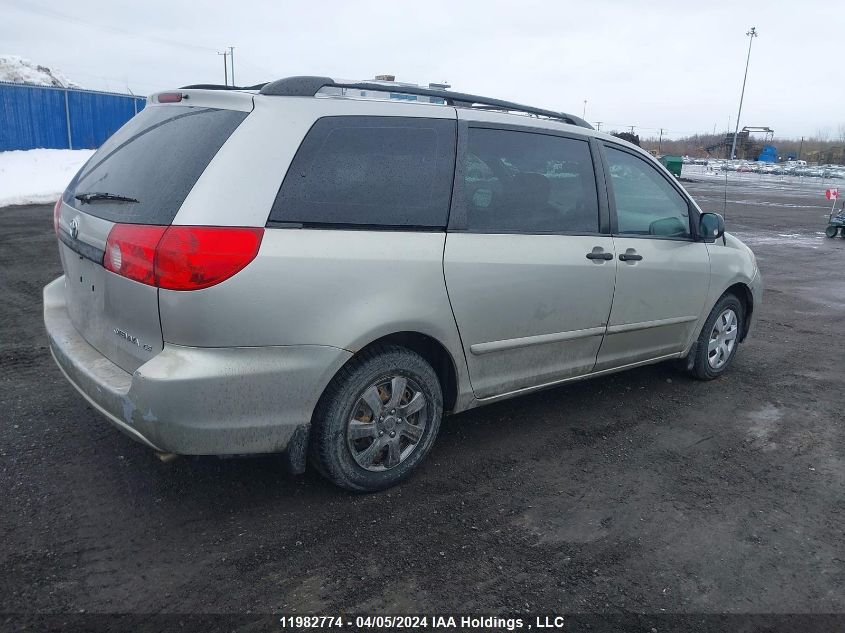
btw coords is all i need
(221, 87)
(308, 86)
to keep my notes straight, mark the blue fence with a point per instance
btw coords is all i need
(61, 118)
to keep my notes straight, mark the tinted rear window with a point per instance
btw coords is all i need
(156, 158)
(529, 183)
(382, 171)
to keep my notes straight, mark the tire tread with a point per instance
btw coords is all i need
(323, 447)
(701, 367)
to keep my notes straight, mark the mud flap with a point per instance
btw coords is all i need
(294, 455)
(688, 362)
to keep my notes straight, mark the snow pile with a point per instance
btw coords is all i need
(18, 70)
(38, 176)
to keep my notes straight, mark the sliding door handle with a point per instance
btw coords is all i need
(598, 253)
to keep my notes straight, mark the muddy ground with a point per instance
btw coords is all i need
(644, 491)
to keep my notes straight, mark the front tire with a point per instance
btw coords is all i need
(377, 419)
(719, 339)
(831, 230)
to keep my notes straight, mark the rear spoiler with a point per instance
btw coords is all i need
(204, 98)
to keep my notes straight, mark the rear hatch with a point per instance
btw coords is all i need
(137, 180)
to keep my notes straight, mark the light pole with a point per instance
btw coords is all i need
(225, 67)
(751, 35)
(584, 112)
(232, 62)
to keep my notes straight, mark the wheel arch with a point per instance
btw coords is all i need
(742, 292)
(434, 352)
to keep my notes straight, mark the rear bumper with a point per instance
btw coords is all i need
(199, 401)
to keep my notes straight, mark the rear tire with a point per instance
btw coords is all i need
(719, 339)
(831, 230)
(377, 419)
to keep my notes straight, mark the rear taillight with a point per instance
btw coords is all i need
(57, 214)
(180, 257)
(131, 251)
(193, 257)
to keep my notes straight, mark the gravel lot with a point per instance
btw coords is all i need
(643, 491)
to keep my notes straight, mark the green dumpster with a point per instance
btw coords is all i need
(673, 164)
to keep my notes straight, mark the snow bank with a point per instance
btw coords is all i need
(18, 70)
(38, 176)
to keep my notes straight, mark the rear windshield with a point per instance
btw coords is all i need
(156, 158)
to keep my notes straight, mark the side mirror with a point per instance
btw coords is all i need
(711, 226)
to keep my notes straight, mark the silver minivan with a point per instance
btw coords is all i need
(322, 269)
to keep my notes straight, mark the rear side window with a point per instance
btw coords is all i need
(522, 182)
(373, 171)
(156, 158)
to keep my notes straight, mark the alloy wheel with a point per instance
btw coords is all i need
(387, 423)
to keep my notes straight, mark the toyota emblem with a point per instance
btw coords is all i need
(74, 227)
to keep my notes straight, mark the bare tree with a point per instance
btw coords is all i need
(813, 148)
(628, 136)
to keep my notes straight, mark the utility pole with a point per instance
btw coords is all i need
(632, 129)
(800, 148)
(751, 35)
(660, 141)
(584, 112)
(225, 68)
(598, 125)
(232, 62)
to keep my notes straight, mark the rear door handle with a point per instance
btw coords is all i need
(630, 257)
(598, 253)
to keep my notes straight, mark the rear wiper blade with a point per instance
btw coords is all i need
(100, 195)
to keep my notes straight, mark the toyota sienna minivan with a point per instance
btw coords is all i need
(320, 269)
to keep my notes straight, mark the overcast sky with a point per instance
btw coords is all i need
(676, 65)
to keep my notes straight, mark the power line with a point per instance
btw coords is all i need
(57, 15)
(118, 80)
(110, 28)
(268, 74)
